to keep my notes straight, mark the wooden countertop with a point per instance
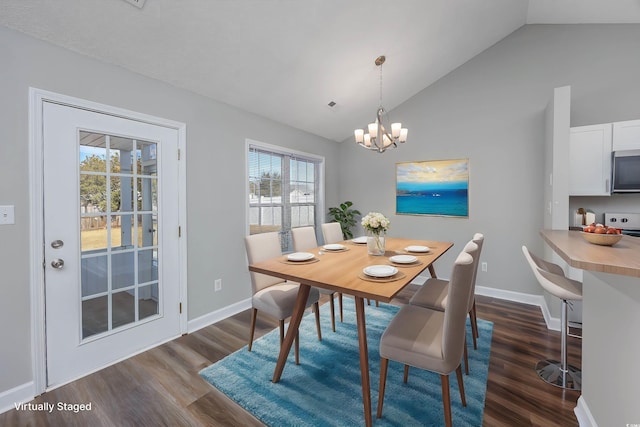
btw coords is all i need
(622, 258)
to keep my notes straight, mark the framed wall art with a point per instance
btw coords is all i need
(433, 187)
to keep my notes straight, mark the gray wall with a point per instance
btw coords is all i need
(491, 110)
(215, 177)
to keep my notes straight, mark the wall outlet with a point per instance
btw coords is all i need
(7, 215)
(484, 267)
(217, 285)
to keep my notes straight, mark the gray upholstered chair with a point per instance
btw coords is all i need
(272, 295)
(433, 295)
(304, 238)
(431, 339)
(332, 233)
(552, 279)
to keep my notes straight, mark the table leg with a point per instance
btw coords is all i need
(364, 361)
(432, 271)
(292, 330)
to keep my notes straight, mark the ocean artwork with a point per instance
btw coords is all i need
(433, 187)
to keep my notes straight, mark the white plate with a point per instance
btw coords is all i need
(418, 249)
(361, 239)
(380, 270)
(299, 256)
(333, 247)
(403, 259)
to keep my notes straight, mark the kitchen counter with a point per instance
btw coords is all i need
(610, 325)
(622, 258)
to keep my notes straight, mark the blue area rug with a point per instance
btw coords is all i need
(325, 389)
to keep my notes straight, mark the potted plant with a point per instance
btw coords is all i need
(344, 215)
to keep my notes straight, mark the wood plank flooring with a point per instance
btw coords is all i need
(161, 387)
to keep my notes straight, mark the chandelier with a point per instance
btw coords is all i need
(379, 138)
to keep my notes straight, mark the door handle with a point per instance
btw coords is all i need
(57, 263)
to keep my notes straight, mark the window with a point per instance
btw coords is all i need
(285, 190)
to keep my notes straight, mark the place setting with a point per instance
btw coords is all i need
(381, 273)
(415, 250)
(361, 240)
(334, 247)
(404, 260)
(299, 258)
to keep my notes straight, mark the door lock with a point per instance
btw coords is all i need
(57, 263)
(57, 244)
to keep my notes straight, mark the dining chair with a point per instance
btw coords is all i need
(552, 279)
(272, 295)
(304, 238)
(433, 295)
(332, 233)
(429, 339)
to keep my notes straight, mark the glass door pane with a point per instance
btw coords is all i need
(118, 228)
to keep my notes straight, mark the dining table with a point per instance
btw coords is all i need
(341, 268)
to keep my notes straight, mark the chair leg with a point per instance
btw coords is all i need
(254, 314)
(406, 373)
(461, 386)
(340, 303)
(383, 380)
(466, 355)
(474, 321)
(297, 348)
(377, 303)
(316, 309)
(446, 400)
(281, 322)
(333, 313)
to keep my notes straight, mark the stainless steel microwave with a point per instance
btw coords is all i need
(626, 171)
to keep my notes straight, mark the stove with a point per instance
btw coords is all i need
(628, 222)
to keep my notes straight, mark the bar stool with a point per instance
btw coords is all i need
(551, 277)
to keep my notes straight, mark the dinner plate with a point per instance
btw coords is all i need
(417, 249)
(380, 270)
(333, 247)
(300, 256)
(403, 259)
(361, 239)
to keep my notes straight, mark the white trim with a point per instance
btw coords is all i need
(583, 414)
(36, 213)
(553, 323)
(21, 394)
(218, 315)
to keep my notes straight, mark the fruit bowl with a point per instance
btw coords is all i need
(602, 239)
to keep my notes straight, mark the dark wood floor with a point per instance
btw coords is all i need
(161, 387)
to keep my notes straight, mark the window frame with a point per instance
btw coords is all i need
(319, 214)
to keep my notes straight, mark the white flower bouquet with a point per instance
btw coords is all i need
(375, 222)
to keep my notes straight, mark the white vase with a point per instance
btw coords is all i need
(375, 243)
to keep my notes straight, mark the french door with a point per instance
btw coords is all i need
(111, 243)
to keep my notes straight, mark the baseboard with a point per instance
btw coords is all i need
(585, 419)
(218, 315)
(21, 394)
(553, 323)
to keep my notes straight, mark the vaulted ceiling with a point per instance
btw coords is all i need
(287, 59)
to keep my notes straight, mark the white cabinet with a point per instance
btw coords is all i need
(626, 135)
(590, 160)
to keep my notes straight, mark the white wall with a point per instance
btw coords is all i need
(216, 197)
(491, 110)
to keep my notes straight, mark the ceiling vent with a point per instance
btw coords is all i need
(136, 3)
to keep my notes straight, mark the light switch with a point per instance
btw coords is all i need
(7, 215)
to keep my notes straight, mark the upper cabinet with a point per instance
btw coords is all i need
(590, 159)
(626, 135)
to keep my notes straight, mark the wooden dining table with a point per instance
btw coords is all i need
(342, 271)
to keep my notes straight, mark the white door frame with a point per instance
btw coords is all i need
(36, 214)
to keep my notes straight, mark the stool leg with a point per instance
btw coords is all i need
(560, 373)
